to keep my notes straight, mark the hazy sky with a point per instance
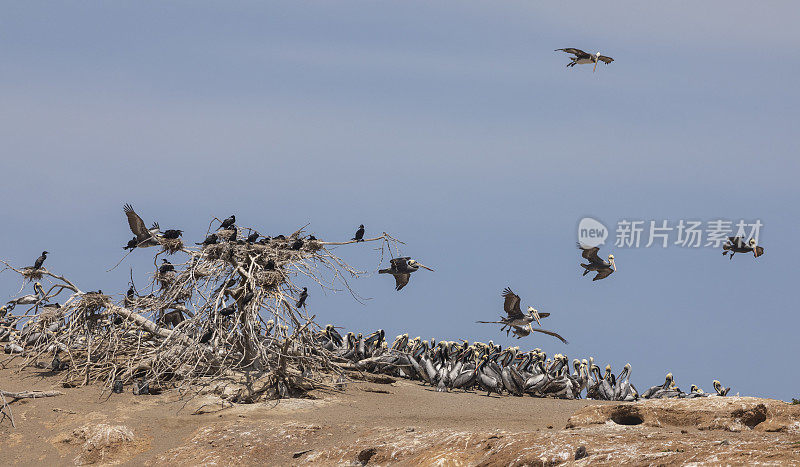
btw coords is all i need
(452, 125)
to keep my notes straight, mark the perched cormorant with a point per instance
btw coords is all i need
(301, 301)
(253, 237)
(401, 269)
(270, 264)
(297, 244)
(210, 240)
(247, 298)
(359, 234)
(40, 260)
(172, 234)
(166, 267)
(228, 310)
(228, 222)
(603, 268)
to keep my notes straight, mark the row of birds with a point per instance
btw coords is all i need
(448, 365)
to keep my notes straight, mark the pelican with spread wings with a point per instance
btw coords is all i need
(518, 321)
(737, 245)
(580, 57)
(401, 269)
(603, 268)
(144, 237)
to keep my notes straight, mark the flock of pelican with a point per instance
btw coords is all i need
(449, 365)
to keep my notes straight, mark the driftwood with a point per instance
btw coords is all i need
(225, 318)
(30, 394)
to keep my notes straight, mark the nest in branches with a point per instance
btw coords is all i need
(93, 301)
(225, 318)
(269, 279)
(32, 274)
(170, 245)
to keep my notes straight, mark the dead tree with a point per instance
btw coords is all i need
(223, 321)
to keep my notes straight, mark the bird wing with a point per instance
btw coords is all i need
(136, 223)
(736, 241)
(602, 274)
(399, 264)
(550, 333)
(759, 251)
(511, 304)
(591, 254)
(577, 52)
(605, 59)
(401, 280)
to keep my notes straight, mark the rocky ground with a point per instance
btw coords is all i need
(396, 423)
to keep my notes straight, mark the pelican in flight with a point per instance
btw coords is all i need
(401, 269)
(580, 57)
(518, 321)
(603, 268)
(144, 237)
(737, 245)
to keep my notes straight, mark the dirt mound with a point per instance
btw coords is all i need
(732, 414)
(102, 443)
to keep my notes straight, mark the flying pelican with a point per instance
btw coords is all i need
(517, 319)
(144, 237)
(401, 269)
(603, 268)
(581, 57)
(359, 237)
(737, 245)
(40, 260)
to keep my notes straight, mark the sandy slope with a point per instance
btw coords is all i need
(401, 423)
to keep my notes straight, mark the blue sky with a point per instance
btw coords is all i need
(452, 125)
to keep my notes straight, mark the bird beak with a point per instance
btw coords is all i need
(536, 317)
(423, 266)
(596, 59)
(614, 265)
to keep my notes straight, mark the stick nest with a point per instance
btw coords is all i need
(32, 274)
(170, 245)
